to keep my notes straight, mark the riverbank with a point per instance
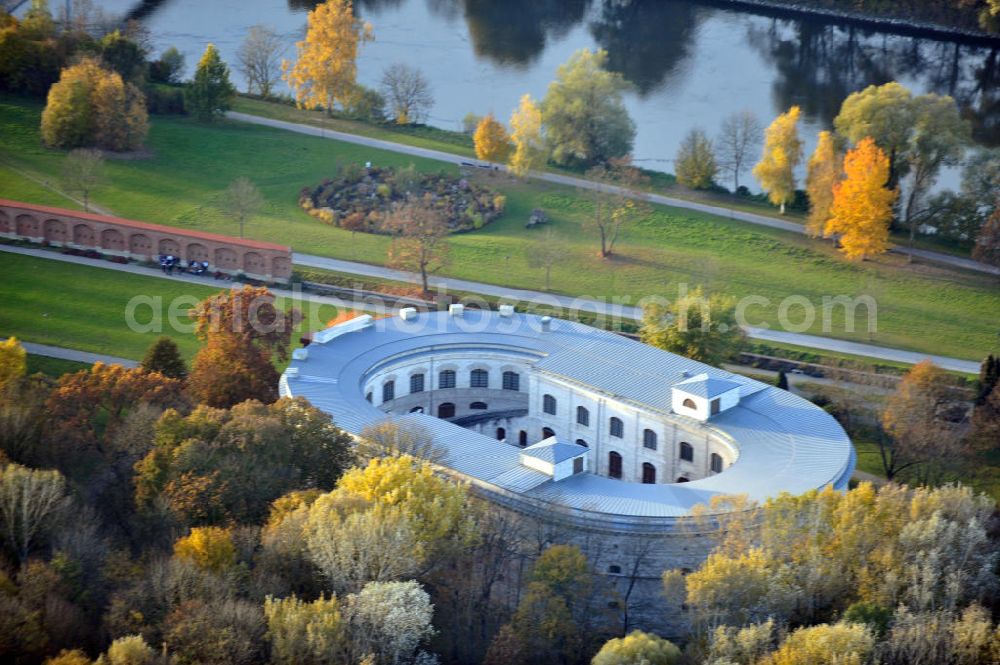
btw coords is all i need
(897, 24)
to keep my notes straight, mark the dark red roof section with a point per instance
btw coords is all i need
(257, 244)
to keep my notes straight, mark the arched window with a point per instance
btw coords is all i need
(388, 391)
(446, 410)
(417, 383)
(478, 406)
(614, 465)
(446, 378)
(582, 416)
(716, 463)
(417, 409)
(682, 479)
(479, 378)
(616, 427)
(581, 442)
(511, 381)
(547, 432)
(549, 404)
(648, 473)
(649, 439)
(689, 403)
(522, 438)
(501, 434)
(687, 452)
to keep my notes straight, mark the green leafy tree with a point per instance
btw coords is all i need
(121, 54)
(695, 164)
(210, 94)
(885, 113)
(164, 357)
(169, 68)
(697, 326)
(637, 648)
(584, 116)
(216, 466)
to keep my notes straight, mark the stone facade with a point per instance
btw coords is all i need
(143, 241)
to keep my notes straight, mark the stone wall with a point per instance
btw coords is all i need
(143, 241)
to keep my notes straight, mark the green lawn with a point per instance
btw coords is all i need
(82, 307)
(53, 367)
(923, 309)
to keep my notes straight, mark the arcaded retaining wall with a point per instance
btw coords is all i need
(142, 241)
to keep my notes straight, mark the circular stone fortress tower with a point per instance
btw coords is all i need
(607, 442)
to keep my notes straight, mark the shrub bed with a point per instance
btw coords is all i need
(361, 199)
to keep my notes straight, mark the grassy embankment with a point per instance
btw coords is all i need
(83, 307)
(921, 308)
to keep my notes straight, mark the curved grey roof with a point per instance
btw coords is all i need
(785, 443)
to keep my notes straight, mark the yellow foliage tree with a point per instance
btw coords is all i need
(13, 362)
(492, 142)
(862, 205)
(326, 70)
(435, 505)
(823, 174)
(782, 153)
(90, 105)
(526, 135)
(825, 644)
(208, 547)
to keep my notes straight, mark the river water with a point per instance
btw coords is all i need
(690, 64)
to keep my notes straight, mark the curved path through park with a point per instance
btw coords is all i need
(581, 183)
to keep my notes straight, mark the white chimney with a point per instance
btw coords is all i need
(546, 322)
(456, 310)
(300, 354)
(507, 310)
(408, 313)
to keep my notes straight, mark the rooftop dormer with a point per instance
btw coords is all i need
(554, 458)
(702, 396)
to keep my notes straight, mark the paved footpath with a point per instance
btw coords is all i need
(749, 217)
(73, 354)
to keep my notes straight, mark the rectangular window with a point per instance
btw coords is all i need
(479, 378)
(715, 406)
(417, 383)
(446, 379)
(511, 381)
(388, 391)
(578, 465)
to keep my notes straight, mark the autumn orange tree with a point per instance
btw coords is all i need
(244, 331)
(823, 174)
(782, 152)
(492, 142)
(326, 70)
(862, 205)
(86, 407)
(420, 242)
(913, 420)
